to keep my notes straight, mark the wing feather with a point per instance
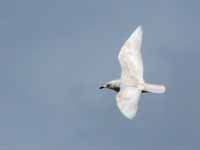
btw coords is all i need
(127, 101)
(130, 58)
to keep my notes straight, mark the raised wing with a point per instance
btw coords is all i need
(131, 60)
(127, 101)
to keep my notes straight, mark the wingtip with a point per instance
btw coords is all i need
(129, 116)
(139, 27)
(127, 113)
(138, 30)
(137, 33)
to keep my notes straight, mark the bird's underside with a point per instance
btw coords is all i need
(131, 84)
(117, 89)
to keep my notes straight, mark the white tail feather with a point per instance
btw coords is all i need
(153, 88)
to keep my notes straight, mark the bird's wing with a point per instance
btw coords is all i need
(130, 58)
(127, 101)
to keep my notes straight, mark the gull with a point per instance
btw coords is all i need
(131, 84)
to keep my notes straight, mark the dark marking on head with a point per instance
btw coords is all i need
(108, 86)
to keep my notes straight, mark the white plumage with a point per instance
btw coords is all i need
(132, 73)
(131, 60)
(131, 84)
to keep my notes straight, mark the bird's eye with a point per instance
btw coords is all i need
(108, 85)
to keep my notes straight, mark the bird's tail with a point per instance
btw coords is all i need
(153, 88)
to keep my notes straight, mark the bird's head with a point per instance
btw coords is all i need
(113, 85)
(106, 85)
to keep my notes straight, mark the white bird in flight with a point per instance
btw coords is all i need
(131, 84)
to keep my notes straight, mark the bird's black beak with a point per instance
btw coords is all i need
(101, 87)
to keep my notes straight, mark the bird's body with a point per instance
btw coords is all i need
(131, 84)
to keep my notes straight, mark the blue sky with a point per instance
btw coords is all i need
(54, 55)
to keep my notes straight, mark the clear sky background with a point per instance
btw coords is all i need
(54, 54)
